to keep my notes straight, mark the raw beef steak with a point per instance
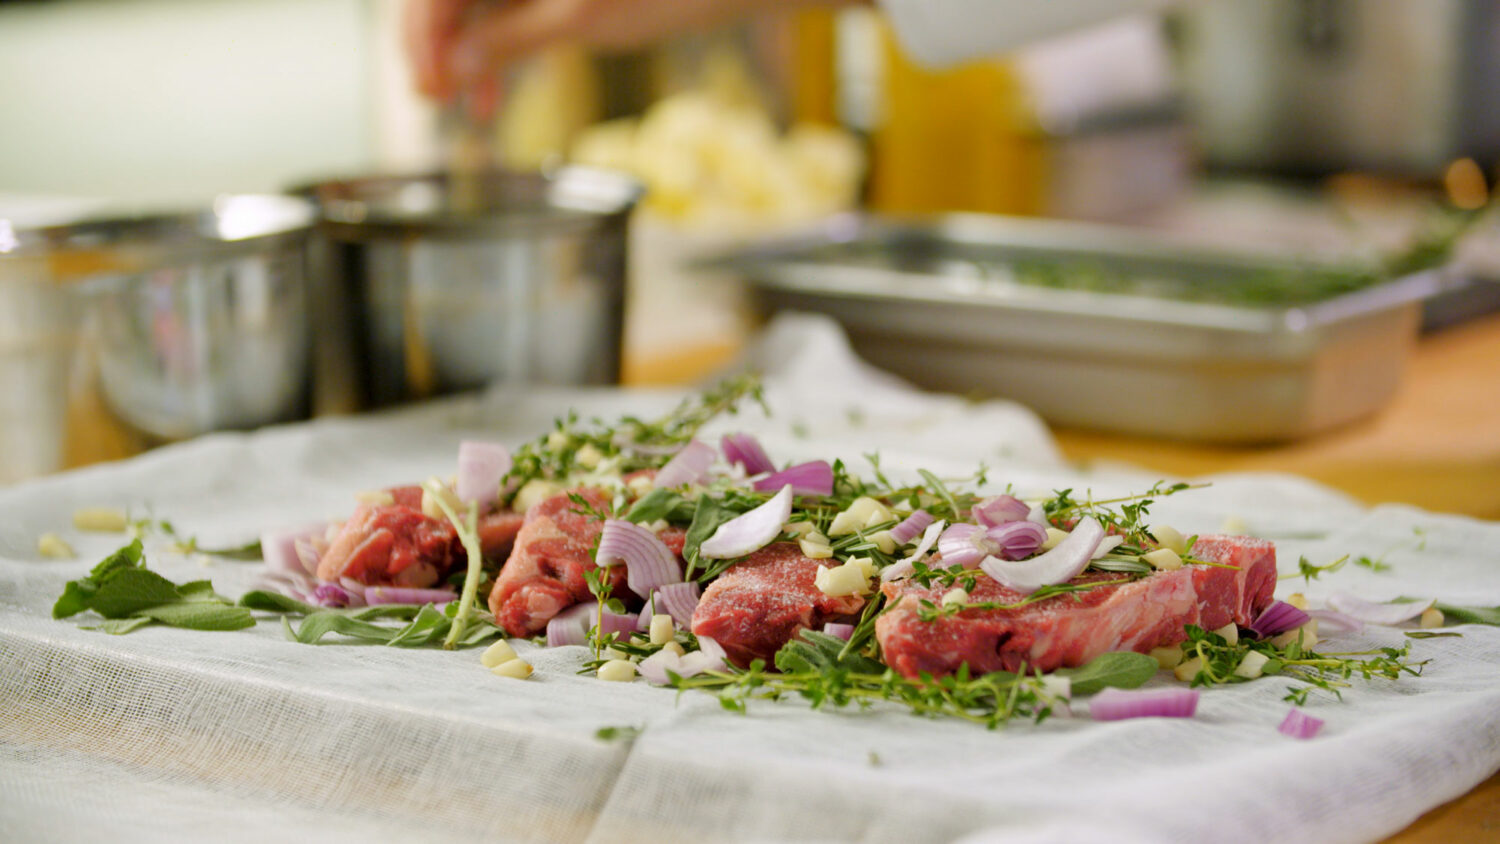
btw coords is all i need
(1071, 629)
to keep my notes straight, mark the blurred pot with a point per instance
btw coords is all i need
(439, 285)
(121, 333)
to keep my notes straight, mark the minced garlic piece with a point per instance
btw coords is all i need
(588, 456)
(101, 519)
(516, 669)
(884, 541)
(533, 492)
(434, 490)
(375, 497)
(1186, 671)
(1432, 617)
(844, 580)
(1163, 558)
(52, 546)
(1251, 665)
(498, 653)
(861, 513)
(1234, 526)
(674, 647)
(814, 549)
(1168, 657)
(1054, 536)
(661, 629)
(640, 485)
(1298, 600)
(801, 529)
(1230, 632)
(617, 671)
(1308, 633)
(557, 441)
(1169, 537)
(956, 595)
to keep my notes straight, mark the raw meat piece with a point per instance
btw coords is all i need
(759, 604)
(397, 544)
(544, 574)
(1071, 629)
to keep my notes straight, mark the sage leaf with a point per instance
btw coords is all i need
(126, 592)
(275, 602)
(1120, 670)
(200, 615)
(119, 626)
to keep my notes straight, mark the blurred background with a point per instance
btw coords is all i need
(1364, 134)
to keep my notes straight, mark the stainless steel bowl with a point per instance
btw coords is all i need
(120, 333)
(437, 286)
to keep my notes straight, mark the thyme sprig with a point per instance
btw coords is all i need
(1219, 659)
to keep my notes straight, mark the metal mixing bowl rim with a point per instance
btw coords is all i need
(231, 224)
(584, 198)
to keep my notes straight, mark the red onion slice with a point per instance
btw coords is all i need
(969, 545)
(911, 526)
(612, 622)
(688, 466)
(843, 631)
(750, 531)
(655, 667)
(1336, 622)
(1117, 704)
(712, 648)
(279, 548)
(331, 595)
(405, 595)
(1060, 565)
(571, 626)
(1279, 617)
(907, 566)
(745, 450)
(679, 600)
(815, 478)
(1299, 725)
(649, 563)
(999, 510)
(481, 467)
(1372, 613)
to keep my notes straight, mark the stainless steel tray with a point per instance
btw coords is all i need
(1103, 327)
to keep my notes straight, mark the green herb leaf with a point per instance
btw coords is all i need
(707, 518)
(1469, 615)
(319, 624)
(126, 592)
(119, 626)
(78, 594)
(1120, 670)
(200, 615)
(660, 504)
(1432, 634)
(625, 733)
(275, 602)
(821, 653)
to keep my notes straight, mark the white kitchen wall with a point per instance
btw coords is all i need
(165, 100)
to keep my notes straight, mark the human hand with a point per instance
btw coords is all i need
(461, 45)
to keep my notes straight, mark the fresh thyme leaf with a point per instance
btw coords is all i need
(1121, 670)
(1309, 572)
(820, 653)
(624, 732)
(1372, 564)
(1327, 671)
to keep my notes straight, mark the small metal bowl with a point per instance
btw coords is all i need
(439, 285)
(138, 330)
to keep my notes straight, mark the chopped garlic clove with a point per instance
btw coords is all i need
(54, 547)
(1169, 537)
(1432, 617)
(1234, 526)
(434, 490)
(841, 581)
(639, 485)
(516, 669)
(588, 456)
(884, 541)
(101, 519)
(534, 492)
(1230, 632)
(1186, 671)
(1298, 600)
(497, 654)
(1308, 633)
(617, 671)
(558, 441)
(1251, 665)
(661, 629)
(1164, 559)
(1168, 657)
(375, 497)
(1054, 536)
(956, 595)
(801, 529)
(674, 647)
(814, 550)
